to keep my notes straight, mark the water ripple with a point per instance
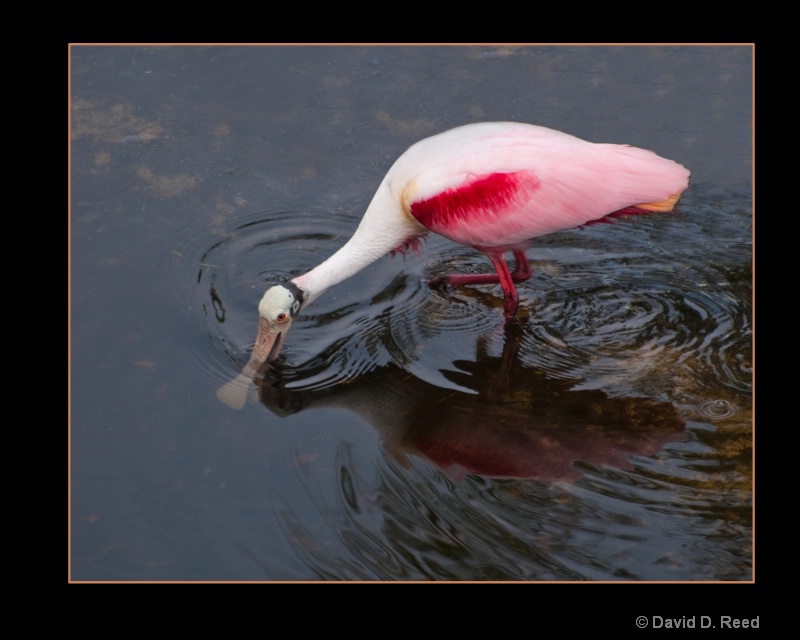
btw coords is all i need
(607, 305)
(716, 409)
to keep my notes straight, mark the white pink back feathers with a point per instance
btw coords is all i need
(494, 186)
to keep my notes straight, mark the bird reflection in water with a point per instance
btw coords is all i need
(518, 423)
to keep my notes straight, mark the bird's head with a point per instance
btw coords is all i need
(277, 309)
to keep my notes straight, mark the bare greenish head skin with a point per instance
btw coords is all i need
(276, 311)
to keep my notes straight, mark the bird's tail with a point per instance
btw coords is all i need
(668, 204)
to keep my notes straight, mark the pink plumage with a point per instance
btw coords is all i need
(494, 186)
(501, 184)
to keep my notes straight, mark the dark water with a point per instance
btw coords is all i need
(405, 433)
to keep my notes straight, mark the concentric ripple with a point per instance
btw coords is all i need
(716, 409)
(607, 306)
(623, 316)
(253, 249)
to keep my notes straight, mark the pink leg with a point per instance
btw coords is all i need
(523, 269)
(510, 295)
(503, 277)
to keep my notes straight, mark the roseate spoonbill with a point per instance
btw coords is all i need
(494, 186)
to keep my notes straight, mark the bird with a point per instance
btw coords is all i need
(493, 186)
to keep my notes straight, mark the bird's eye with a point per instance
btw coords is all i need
(281, 317)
